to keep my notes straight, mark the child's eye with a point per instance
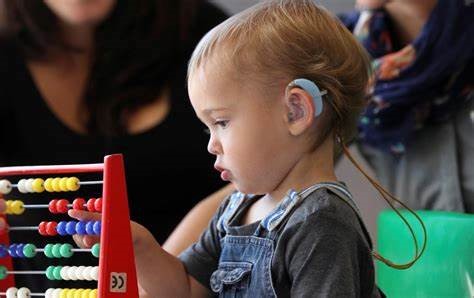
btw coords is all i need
(221, 123)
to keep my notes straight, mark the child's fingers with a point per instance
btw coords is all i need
(85, 241)
(3, 205)
(84, 215)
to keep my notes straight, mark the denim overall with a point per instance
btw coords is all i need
(245, 262)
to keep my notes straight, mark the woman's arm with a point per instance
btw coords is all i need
(194, 223)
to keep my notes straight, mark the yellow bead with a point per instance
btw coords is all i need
(9, 207)
(63, 293)
(73, 183)
(63, 184)
(78, 293)
(71, 293)
(37, 185)
(48, 185)
(85, 293)
(55, 184)
(93, 293)
(17, 207)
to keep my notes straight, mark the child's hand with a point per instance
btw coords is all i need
(84, 241)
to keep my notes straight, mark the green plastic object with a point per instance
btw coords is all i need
(66, 250)
(446, 269)
(29, 250)
(96, 250)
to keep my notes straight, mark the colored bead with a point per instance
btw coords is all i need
(57, 272)
(29, 250)
(96, 250)
(56, 250)
(38, 185)
(3, 251)
(66, 250)
(49, 293)
(78, 293)
(97, 227)
(90, 205)
(48, 185)
(9, 207)
(86, 293)
(71, 293)
(93, 294)
(73, 184)
(98, 205)
(23, 293)
(78, 204)
(50, 273)
(95, 273)
(90, 227)
(17, 207)
(52, 206)
(3, 272)
(64, 293)
(5, 186)
(51, 228)
(86, 273)
(71, 227)
(48, 250)
(55, 184)
(63, 184)
(56, 293)
(61, 206)
(12, 251)
(81, 228)
(21, 186)
(42, 228)
(61, 228)
(64, 275)
(19, 250)
(12, 292)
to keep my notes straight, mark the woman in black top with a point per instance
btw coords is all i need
(82, 79)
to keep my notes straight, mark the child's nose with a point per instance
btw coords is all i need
(213, 146)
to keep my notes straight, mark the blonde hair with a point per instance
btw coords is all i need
(289, 39)
(276, 40)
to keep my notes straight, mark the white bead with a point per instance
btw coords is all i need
(86, 274)
(78, 272)
(49, 293)
(5, 186)
(57, 293)
(71, 273)
(63, 273)
(24, 293)
(95, 273)
(11, 292)
(21, 186)
(29, 185)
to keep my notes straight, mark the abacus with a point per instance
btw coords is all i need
(116, 273)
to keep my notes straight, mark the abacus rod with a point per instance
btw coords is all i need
(37, 206)
(90, 182)
(26, 272)
(23, 228)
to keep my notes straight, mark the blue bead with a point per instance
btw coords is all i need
(12, 251)
(90, 228)
(61, 228)
(81, 228)
(97, 226)
(3, 251)
(19, 250)
(71, 227)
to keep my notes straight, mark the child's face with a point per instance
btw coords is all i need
(248, 132)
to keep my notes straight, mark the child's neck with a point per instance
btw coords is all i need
(313, 167)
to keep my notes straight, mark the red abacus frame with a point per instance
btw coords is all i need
(116, 261)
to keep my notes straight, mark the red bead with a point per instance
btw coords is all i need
(98, 205)
(78, 204)
(90, 205)
(42, 228)
(4, 230)
(61, 206)
(52, 206)
(51, 228)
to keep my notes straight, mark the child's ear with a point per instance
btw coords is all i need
(300, 110)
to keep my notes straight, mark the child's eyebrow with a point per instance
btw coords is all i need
(213, 110)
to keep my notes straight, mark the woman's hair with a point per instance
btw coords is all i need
(285, 40)
(138, 50)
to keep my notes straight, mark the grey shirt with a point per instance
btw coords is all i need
(321, 251)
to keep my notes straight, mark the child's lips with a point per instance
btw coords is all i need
(225, 174)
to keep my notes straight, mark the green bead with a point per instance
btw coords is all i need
(29, 250)
(96, 250)
(57, 272)
(48, 251)
(56, 250)
(3, 272)
(50, 273)
(66, 250)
